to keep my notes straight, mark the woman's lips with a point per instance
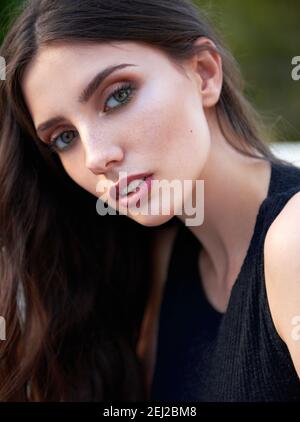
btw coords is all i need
(132, 197)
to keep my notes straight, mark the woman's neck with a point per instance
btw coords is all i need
(234, 188)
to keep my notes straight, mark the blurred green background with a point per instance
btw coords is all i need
(264, 36)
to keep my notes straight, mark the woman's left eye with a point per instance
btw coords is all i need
(120, 96)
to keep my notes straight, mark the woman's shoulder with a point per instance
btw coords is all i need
(282, 275)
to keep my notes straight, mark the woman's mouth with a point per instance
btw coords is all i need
(131, 190)
(132, 187)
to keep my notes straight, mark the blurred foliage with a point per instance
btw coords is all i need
(264, 36)
(7, 10)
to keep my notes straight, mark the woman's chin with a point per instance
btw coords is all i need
(151, 220)
(152, 213)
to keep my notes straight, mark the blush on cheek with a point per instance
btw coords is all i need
(82, 177)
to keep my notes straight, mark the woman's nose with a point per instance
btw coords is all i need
(99, 159)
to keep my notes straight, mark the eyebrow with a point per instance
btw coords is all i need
(86, 93)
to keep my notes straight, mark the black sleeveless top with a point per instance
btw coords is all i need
(204, 355)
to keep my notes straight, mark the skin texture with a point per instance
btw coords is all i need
(169, 128)
(282, 269)
(158, 131)
(172, 133)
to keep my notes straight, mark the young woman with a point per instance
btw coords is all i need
(131, 306)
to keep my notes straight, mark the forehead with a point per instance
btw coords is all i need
(59, 54)
(65, 68)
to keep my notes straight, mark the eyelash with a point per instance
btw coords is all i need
(122, 87)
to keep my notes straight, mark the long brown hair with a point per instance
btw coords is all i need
(74, 285)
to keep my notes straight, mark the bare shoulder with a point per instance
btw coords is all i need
(282, 275)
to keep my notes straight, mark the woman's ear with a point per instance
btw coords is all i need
(206, 67)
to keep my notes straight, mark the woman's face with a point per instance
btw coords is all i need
(155, 122)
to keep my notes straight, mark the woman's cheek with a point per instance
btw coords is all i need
(76, 170)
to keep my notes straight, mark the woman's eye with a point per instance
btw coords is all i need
(63, 141)
(120, 96)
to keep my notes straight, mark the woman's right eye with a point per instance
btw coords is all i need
(62, 141)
